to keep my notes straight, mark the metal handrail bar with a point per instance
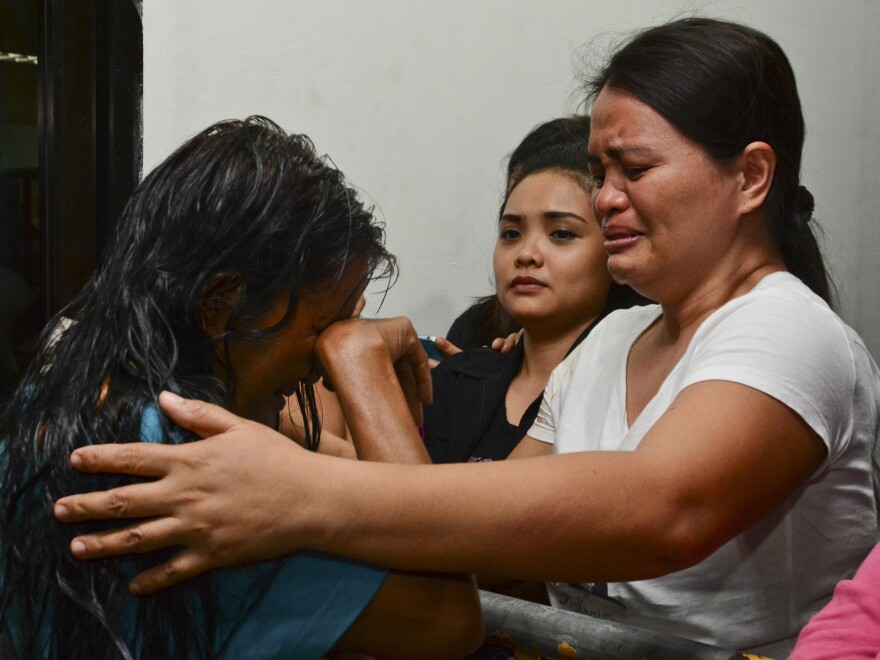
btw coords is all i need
(550, 632)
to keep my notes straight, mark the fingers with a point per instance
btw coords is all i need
(506, 344)
(403, 344)
(138, 538)
(420, 368)
(446, 347)
(202, 418)
(132, 501)
(183, 566)
(359, 307)
(423, 383)
(409, 386)
(141, 459)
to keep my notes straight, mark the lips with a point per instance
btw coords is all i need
(525, 284)
(618, 239)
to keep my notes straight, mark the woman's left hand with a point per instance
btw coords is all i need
(191, 503)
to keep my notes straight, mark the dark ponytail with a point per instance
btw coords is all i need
(797, 243)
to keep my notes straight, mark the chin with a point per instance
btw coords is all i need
(519, 308)
(530, 317)
(623, 270)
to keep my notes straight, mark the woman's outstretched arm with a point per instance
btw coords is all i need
(720, 459)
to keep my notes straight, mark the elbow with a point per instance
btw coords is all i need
(683, 541)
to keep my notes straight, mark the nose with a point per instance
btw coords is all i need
(529, 252)
(610, 198)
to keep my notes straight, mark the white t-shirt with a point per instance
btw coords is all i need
(760, 588)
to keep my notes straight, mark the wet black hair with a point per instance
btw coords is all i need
(241, 200)
(724, 85)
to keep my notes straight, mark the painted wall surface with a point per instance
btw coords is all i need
(419, 102)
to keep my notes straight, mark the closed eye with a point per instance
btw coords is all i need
(633, 173)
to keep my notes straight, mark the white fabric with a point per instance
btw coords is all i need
(759, 589)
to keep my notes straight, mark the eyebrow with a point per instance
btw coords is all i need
(546, 215)
(617, 153)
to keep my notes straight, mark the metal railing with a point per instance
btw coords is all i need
(549, 632)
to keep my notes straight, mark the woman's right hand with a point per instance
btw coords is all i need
(191, 503)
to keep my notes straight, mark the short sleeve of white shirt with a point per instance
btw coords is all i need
(789, 345)
(779, 339)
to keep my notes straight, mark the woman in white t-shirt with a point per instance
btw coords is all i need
(715, 481)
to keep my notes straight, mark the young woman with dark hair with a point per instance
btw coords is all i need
(486, 319)
(230, 259)
(711, 471)
(551, 276)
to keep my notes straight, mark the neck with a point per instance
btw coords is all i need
(543, 349)
(690, 294)
(683, 316)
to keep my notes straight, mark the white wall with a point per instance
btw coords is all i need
(419, 101)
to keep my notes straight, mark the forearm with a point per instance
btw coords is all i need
(380, 422)
(608, 531)
(585, 516)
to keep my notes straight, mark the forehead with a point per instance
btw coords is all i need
(336, 296)
(547, 188)
(621, 123)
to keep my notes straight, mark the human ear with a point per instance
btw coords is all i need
(757, 164)
(217, 297)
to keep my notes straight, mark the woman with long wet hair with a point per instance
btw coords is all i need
(230, 259)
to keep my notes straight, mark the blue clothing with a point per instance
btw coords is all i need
(308, 605)
(297, 607)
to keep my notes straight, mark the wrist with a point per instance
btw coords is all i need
(341, 347)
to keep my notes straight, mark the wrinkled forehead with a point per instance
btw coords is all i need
(622, 125)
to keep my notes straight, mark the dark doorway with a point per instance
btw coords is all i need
(70, 153)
